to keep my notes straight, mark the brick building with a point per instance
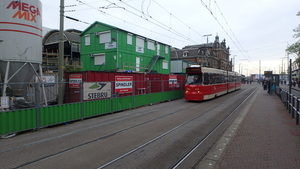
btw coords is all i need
(215, 55)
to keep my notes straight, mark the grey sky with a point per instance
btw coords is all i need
(254, 30)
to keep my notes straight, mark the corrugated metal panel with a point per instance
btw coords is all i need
(14, 121)
(59, 114)
(94, 108)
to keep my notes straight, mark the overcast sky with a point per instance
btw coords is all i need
(255, 30)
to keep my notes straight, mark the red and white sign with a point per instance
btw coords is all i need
(74, 80)
(172, 80)
(123, 84)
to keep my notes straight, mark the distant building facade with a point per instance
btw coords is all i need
(214, 55)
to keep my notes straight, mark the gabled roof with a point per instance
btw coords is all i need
(113, 27)
(95, 23)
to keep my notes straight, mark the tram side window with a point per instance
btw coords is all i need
(194, 79)
(221, 78)
(212, 78)
(231, 79)
(206, 79)
(218, 79)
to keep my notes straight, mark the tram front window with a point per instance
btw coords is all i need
(194, 80)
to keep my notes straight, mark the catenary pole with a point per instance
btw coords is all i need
(61, 54)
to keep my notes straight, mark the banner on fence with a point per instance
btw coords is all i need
(173, 81)
(75, 80)
(123, 84)
(96, 90)
(46, 79)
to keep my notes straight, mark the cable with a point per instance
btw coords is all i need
(178, 19)
(102, 12)
(162, 25)
(208, 8)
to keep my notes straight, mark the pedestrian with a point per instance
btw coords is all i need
(269, 86)
(273, 87)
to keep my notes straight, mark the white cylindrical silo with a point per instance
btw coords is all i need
(20, 40)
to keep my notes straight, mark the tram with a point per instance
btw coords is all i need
(203, 83)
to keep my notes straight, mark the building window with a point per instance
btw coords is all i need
(165, 65)
(167, 49)
(140, 44)
(185, 53)
(105, 37)
(150, 45)
(99, 59)
(87, 39)
(158, 48)
(129, 39)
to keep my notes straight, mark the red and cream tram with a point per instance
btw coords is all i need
(203, 83)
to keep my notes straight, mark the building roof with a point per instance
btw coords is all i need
(71, 35)
(113, 27)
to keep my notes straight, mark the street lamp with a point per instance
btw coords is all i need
(207, 36)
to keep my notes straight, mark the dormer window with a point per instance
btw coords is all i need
(185, 53)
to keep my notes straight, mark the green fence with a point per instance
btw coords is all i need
(36, 118)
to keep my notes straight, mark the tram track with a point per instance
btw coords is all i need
(89, 142)
(224, 124)
(188, 153)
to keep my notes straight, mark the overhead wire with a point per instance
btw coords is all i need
(228, 25)
(177, 18)
(159, 24)
(209, 9)
(105, 13)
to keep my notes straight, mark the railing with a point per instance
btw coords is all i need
(291, 102)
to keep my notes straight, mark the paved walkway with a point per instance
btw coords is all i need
(267, 138)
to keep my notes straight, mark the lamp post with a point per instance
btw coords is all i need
(233, 62)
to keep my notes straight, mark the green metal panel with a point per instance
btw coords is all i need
(122, 103)
(157, 97)
(141, 100)
(59, 114)
(94, 108)
(173, 94)
(164, 96)
(14, 121)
